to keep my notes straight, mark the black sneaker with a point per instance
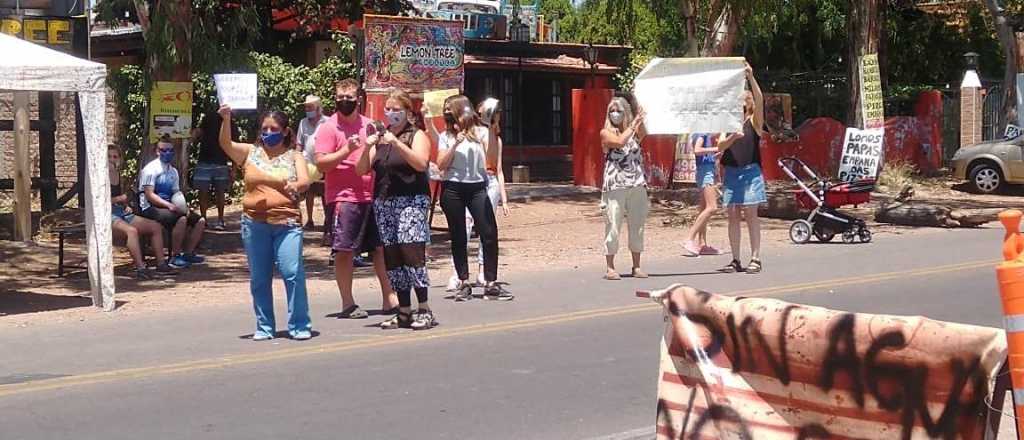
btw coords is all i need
(165, 269)
(142, 275)
(495, 292)
(464, 292)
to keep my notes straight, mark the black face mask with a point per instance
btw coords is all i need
(346, 107)
(450, 118)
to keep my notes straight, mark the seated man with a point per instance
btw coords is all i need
(158, 183)
(131, 226)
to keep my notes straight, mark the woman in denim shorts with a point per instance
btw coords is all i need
(707, 163)
(744, 183)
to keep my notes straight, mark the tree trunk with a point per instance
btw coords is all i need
(1009, 41)
(721, 40)
(176, 15)
(917, 214)
(689, 12)
(863, 24)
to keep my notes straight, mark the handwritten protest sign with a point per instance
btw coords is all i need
(862, 154)
(871, 102)
(434, 100)
(237, 90)
(692, 95)
(765, 369)
(414, 54)
(170, 111)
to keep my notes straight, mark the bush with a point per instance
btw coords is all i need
(637, 62)
(896, 175)
(282, 86)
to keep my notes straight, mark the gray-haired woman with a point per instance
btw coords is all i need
(624, 193)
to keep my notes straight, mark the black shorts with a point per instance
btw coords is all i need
(355, 228)
(167, 218)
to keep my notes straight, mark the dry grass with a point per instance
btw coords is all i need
(896, 175)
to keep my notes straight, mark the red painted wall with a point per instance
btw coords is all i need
(659, 160)
(914, 139)
(588, 113)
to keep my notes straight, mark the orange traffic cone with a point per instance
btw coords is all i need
(1011, 289)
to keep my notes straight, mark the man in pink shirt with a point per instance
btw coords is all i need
(339, 143)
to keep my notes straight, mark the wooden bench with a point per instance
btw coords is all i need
(77, 231)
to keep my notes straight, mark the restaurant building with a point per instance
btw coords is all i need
(519, 62)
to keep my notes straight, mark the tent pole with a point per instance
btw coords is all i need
(22, 169)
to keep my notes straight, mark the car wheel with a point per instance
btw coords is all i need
(986, 178)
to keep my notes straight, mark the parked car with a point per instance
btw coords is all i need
(989, 166)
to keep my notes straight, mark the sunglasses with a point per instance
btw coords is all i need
(166, 150)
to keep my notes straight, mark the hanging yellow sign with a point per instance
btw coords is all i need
(170, 109)
(871, 96)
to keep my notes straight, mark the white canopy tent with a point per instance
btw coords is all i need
(27, 67)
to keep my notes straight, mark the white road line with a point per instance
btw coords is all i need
(645, 433)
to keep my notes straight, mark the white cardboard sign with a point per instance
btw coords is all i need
(692, 95)
(862, 154)
(237, 90)
(1012, 131)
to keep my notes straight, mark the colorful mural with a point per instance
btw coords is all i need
(415, 54)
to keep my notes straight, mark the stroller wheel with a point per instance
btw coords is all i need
(865, 236)
(800, 231)
(849, 237)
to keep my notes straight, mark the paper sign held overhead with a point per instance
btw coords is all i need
(862, 154)
(237, 90)
(692, 95)
(434, 100)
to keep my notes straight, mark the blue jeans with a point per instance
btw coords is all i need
(265, 245)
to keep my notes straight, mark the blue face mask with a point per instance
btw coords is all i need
(271, 138)
(312, 115)
(166, 156)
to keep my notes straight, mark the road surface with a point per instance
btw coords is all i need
(573, 357)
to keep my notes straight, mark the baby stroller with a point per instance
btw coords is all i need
(824, 199)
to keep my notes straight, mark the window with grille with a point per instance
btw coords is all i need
(557, 114)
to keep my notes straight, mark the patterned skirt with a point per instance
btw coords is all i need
(402, 225)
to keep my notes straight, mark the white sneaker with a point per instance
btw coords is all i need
(453, 283)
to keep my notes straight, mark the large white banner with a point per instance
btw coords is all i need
(692, 95)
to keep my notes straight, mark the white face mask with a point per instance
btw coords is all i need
(615, 117)
(395, 118)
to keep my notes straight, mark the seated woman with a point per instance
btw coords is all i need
(131, 226)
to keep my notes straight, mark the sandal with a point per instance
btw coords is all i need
(353, 312)
(637, 273)
(400, 320)
(612, 275)
(732, 267)
(391, 311)
(754, 267)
